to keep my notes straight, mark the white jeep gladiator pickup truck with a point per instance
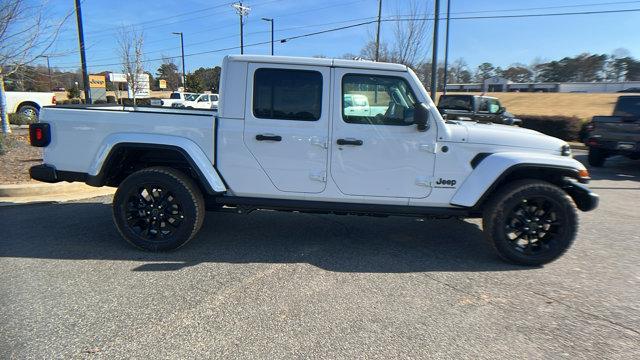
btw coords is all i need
(283, 141)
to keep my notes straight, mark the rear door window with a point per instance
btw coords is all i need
(287, 94)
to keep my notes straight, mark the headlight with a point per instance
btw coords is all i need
(565, 150)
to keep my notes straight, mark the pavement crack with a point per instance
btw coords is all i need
(596, 316)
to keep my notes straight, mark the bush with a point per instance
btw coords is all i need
(20, 119)
(139, 102)
(111, 99)
(73, 93)
(100, 101)
(566, 128)
(6, 143)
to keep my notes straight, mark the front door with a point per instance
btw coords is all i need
(287, 124)
(380, 153)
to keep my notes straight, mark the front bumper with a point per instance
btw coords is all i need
(585, 199)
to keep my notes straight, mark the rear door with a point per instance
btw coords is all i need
(287, 124)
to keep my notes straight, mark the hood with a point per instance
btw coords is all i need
(503, 135)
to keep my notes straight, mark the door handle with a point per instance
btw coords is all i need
(349, 142)
(269, 137)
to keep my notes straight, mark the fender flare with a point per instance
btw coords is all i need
(494, 168)
(205, 168)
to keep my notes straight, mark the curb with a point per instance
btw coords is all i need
(19, 190)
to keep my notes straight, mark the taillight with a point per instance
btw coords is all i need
(39, 134)
(53, 100)
(592, 142)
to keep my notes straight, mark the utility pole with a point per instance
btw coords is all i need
(49, 70)
(83, 56)
(271, 21)
(378, 32)
(184, 71)
(434, 52)
(242, 11)
(446, 50)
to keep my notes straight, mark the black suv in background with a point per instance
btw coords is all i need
(615, 135)
(475, 108)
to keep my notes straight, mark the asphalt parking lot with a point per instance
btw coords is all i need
(279, 285)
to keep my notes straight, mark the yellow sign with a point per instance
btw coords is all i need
(97, 82)
(162, 84)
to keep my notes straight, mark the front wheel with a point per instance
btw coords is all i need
(158, 209)
(530, 222)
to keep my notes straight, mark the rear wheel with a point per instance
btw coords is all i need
(596, 157)
(158, 209)
(29, 111)
(530, 222)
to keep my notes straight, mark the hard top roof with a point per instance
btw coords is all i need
(317, 62)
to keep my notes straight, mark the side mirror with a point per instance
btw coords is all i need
(421, 117)
(501, 110)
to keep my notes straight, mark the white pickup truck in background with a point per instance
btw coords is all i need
(29, 103)
(284, 138)
(174, 98)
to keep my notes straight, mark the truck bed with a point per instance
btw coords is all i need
(82, 136)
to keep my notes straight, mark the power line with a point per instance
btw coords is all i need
(364, 23)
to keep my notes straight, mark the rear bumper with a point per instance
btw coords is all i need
(44, 173)
(585, 199)
(49, 174)
(614, 146)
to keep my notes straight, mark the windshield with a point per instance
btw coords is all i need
(190, 97)
(456, 102)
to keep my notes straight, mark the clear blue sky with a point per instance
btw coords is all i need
(210, 25)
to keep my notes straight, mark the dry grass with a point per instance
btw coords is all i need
(583, 106)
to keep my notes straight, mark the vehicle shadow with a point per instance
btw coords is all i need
(78, 231)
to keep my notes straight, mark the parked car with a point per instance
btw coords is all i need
(475, 108)
(269, 147)
(174, 98)
(201, 101)
(29, 103)
(618, 134)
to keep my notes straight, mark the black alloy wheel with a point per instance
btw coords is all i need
(530, 222)
(533, 225)
(153, 212)
(158, 209)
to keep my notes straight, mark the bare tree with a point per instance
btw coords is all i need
(24, 36)
(410, 34)
(130, 44)
(369, 52)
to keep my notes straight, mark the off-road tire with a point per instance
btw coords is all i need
(596, 157)
(502, 210)
(29, 111)
(179, 195)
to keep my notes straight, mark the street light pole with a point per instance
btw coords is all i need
(271, 21)
(83, 55)
(434, 52)
(378, 32)
(49, 70)
(184, 71)
(446, 50)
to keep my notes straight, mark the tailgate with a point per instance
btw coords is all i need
(617, 128)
